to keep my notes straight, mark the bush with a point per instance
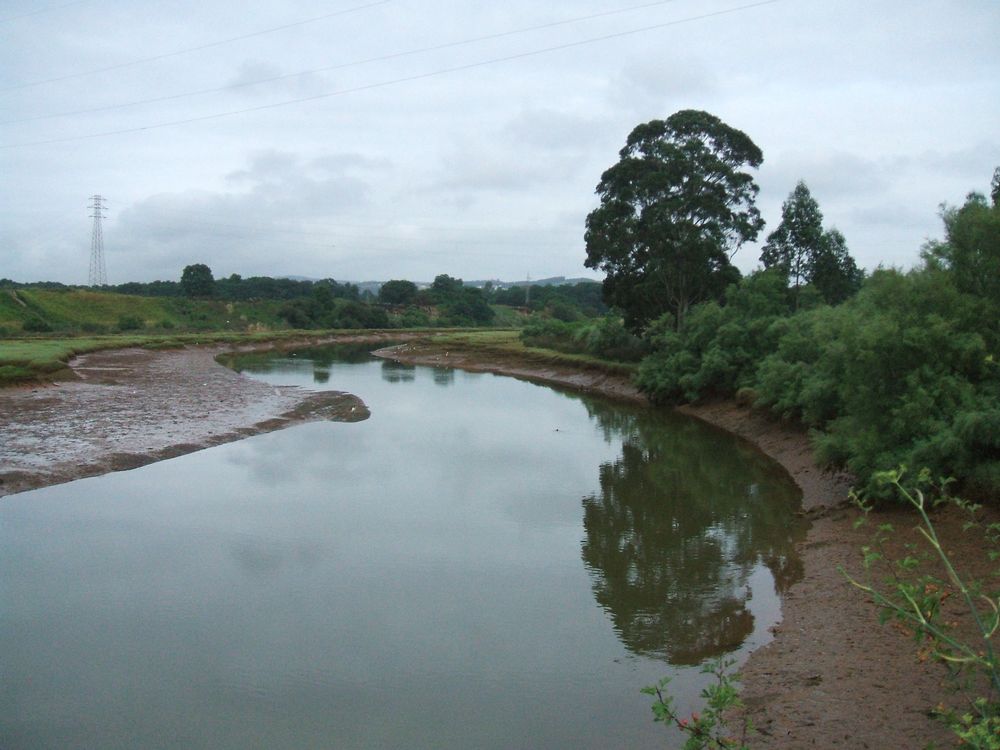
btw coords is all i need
(609, 339)
(35, 324)
(414, 317)
(129, 323)
(720, 346)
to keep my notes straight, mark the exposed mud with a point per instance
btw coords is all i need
(589, 381)
(130, 407)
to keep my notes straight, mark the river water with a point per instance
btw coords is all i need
(483, 563)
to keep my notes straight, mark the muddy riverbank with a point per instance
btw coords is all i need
(130, 407)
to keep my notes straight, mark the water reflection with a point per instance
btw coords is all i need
(397, 372)
(443, 376)
(317, 360)
(676, 531)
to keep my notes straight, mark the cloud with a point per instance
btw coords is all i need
(256, 79)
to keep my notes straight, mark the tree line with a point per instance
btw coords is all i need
(899, 368)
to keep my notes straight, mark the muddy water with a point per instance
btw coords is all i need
(483, 563)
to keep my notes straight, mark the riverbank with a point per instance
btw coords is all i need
(831, 678)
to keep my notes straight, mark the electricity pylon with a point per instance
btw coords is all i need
(98, 272)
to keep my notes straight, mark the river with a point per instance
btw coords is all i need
(483, 563)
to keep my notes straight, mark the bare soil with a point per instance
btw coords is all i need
(832, 677)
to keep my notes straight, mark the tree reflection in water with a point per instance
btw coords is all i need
(683, 518)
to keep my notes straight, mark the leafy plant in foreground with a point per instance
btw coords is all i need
(707, 730)
(914, 598)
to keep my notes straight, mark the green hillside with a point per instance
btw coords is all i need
(80, 311)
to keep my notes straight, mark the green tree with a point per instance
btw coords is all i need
(673, 210)
(197, 281)
(397, 292)
(797, 240)
(806, 254)
(833, 271)
(445, 287)
(971, 249)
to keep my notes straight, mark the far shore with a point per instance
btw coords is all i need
(832, 677)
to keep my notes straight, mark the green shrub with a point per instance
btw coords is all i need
(35, 324)
(608, 338)
(414, 317)
(130, 323)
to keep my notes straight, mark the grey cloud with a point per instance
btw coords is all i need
(256, 79)
(556, 130)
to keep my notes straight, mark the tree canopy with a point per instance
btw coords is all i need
(397, 292)
(673, 210)
(971, 249)
(197, 281)
(805, 253)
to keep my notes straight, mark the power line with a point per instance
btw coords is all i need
(351, 64)
(394, 81)
(218, 43)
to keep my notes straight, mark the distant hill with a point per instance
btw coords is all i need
(374, 286)
(550, 281)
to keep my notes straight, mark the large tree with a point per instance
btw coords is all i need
(397, 292)
(673, 210)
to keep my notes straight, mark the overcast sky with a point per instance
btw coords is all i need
(364, 140)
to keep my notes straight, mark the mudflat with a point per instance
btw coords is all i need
(131, 407)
